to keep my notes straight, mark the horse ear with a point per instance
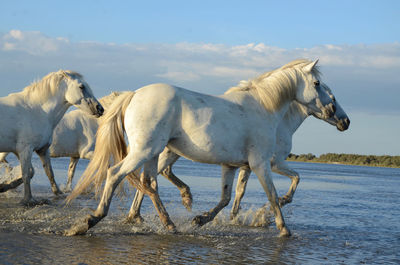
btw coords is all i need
(308, 68)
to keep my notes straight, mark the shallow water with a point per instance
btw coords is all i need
(340, 214)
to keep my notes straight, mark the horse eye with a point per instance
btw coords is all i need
(81, 86)
(316, 83)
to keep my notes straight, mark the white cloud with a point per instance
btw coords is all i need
(32, 42)
(16, 34)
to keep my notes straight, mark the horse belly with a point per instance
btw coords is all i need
(211, 151)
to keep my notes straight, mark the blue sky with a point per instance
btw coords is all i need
(209, 46)
(287, 24)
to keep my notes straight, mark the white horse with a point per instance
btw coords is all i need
(29, 118)
(74, 137)
(234, 130)
(292, 120)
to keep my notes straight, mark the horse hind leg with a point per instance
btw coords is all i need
(115, 175)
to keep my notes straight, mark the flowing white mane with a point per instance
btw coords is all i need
(275, 87)
(40, 91)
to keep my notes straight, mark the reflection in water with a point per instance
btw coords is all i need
(340, 214)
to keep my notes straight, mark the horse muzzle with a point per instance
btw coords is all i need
(343, 124)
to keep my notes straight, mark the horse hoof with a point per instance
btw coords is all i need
(80, 229)
(200, 220)
(187, 200)
(172, 229)
(284, 200)
(285, 232)
(138, 220)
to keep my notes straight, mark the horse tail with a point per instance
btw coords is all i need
(110, 146)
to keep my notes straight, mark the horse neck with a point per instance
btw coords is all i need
(53, 107)
(294, 117)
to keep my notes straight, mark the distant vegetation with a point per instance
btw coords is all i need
(349, 159)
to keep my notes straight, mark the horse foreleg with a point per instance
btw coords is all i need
(71, 171)
(27, 173)
(228, 174)
(283, 169)
(263, 172)
(45, 158)
(240, 190)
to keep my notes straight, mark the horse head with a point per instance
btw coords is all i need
(79, 94)
(311, 94)
(340, 118)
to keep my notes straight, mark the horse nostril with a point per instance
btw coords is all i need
(347, 121)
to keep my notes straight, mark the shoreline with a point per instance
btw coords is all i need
(339, 163)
